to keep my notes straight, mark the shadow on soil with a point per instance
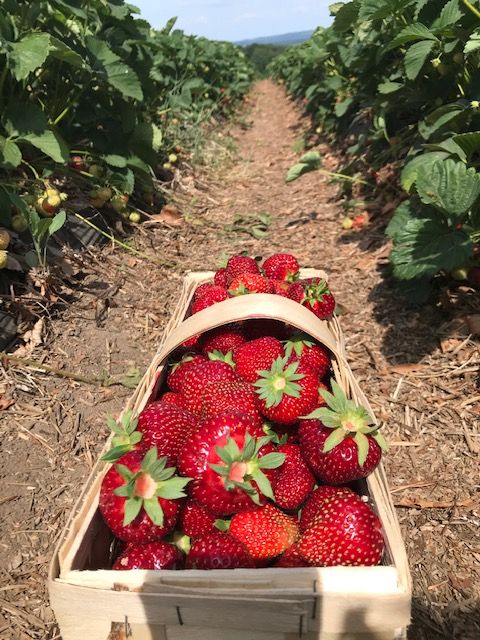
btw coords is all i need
(458, 621)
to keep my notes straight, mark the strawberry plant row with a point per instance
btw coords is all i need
(244, 452)
(92, 94)
(397, 85)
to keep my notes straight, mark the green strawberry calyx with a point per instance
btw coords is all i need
(143, 488)
(346, 419)
(281, 380)
(296, 344)
(315, 291)
(242, 466)
(125, 438)
(216, 355)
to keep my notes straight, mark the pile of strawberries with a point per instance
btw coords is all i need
(248, 456)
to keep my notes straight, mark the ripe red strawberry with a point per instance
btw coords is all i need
(287, 391)
(166, 427)
(233, 464)
(303, 349)
(220, 278)
(153, 555)
(197, 377)
(195, 520)
(171, 397)
(218, 550)
(139, 497)
(221, 396)
(212, 296)
(249, 283)
(345, 532)
(203, 289)
(223, 339)
(279, 287)
(337, 442)
(256, 355)
(314, 294)
(265, 531)
(177, 374)
(291, 559)
(314, 504)
(238, 265)
(294, 481)
(281, 266)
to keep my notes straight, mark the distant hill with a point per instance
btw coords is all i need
(285, 39)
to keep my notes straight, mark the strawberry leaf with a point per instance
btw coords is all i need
(173, 488)
(334, 439)
(149, 459)
(263, 483)
(116, 452)
(125, 472)
(271, 461)
(222, 525)
(132, 509)
(154, 510)
(249, 448)
(362, 443)
(382, 443)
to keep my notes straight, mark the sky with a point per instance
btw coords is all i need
(237, 19)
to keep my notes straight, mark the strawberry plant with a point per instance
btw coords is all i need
(396, 85)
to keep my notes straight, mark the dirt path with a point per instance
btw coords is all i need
(418, 368)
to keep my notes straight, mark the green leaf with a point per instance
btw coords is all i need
(57, 222)
(389, 87)
(346, 16)
(133, 507)
(271, 461)
(416, 56)
(308, 162)
(263, 484)
(117, 73)
(61, 51)
(28, 54)
(362, 443)
(312, 157)
(335, 438)
(382, 443)
(375, 9)
(173, 488)
(412, 33)
(116, 453)
(24, 118)
(399, 220)
(449, 186)
(426, 245)
(449, 16)
(115, 160)
(10, 154)
(154, 510)
(439, 118)
(469, 142)
(410, 171)
(473, 43)
(50, 143)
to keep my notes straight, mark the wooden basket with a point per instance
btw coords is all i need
(330, 603)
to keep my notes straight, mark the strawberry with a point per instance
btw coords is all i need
(256, 355)
(291, 558)
(265, 531)
(220, 278)
(314, 294)
(218, 550)
(249, 283)
(345, 532)
(303, 349)
(287, 391)
(153, 555)
(197, 377)
(294, 481)
(281, 266)
(337, 442)
(233, 464)
(171, 397)
(203, 289)
(176, 376)
(314, 504)
(195, 520)
(279, 287)
(238, 265)
(230, 395)
(139, 497)
(222, 339)
(212, 296)
(166, 427)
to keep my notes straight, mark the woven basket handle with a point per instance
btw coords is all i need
(259, 305)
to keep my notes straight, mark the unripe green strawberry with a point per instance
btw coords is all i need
(19, 224)
(172, 158)
(135, 217)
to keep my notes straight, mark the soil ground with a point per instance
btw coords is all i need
(419, 369)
